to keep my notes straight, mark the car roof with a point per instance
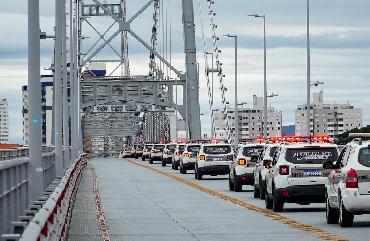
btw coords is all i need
(252, 145)
(306, 145)
(217, 144)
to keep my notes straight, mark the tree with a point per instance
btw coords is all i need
(344, 138)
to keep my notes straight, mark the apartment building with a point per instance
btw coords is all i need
(327, 119)
(4, 121)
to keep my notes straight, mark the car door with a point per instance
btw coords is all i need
(363, 170)
(271, 172)
(336, 176)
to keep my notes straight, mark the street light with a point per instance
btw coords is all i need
(316, 84)
(272, 95)
(264, 72)
(236, 89)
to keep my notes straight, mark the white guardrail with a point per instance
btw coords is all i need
(51, 221)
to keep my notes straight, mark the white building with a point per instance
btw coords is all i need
(46, 112)
(250, 121)
(327, 119)
(4, 121)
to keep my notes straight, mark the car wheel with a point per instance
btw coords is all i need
(332, 214)
(231, 184)
(163, 164)
(237, 184)
(176, 167)
(345, 217)
(183, 170)
(198, 175)
(172, 166)
(256, 192)
(278, 202)
(262, 190)
(268, 202)
(143, 159)
(151, 161)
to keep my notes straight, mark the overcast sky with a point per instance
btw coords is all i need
(340, 36)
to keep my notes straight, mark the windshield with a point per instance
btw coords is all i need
(217, 149)
(148, 146)
(193, 148)
(311, 155)
(272, 151)
(252, 150)
(159, 147)
(181, 147)
(171, 147)
(364, 157)
(140, 146)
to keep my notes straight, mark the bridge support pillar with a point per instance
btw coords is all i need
(192, 78)
(34, 94)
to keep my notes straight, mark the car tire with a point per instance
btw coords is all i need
(231, 184)
(262, 190)
(198, 175)
(176, 167)
(183, 170)
(163, 163)
(268, 202)
(237, 184)
(151, 161)
(277, 202)
(143, 159)
(332, 214)
(172, 166)
(256, 192)
(345, 217)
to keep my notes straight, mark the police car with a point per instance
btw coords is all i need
(213, 159)
(297, 174)
(146, 151)
(177, 155)
(156, 154)
(189, 157)
(262, 168)
(241, 169)
(168, 151)
(125, 153)
(348, 185)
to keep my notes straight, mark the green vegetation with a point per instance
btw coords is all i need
(344, 138)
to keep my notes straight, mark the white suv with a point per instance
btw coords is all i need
(261, 169)
(177, 156)
(213, 159)
(348, 185)
(297, 174)
(168, 151)
(146, 151)
(189, 157)
(156, 154)
(241, 169)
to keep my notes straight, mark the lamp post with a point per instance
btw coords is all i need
(264, 73)
(236, 89)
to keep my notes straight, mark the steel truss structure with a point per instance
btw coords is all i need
(142, 91)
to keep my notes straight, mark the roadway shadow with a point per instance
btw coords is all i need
(304, 210)
(215, 178)
(361, 224)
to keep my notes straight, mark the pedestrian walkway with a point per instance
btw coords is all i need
(143, 205)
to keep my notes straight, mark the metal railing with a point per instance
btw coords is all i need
(48, 218)
(14, 179)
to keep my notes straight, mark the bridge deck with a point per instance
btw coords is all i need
(143, 205)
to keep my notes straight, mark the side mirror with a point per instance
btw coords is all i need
(328, 165)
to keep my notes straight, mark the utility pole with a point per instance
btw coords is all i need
(34, 92)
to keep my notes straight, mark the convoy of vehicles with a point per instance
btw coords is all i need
(290, 170)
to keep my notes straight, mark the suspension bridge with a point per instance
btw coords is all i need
(76, 189)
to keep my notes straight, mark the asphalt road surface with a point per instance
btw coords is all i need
(140, 201)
